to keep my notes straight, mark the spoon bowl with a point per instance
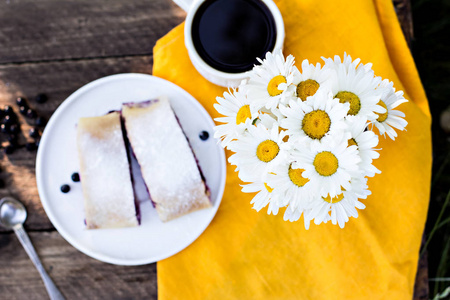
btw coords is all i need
(12, 212)
(12, 216)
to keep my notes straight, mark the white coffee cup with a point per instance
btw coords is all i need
(213, 75)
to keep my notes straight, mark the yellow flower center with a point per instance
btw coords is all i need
(243, 114)
(382, 117)
(272, 87)
(316, 124)
(267, 150)
(352, 142)
(268, 188)
(307, 88)
(326, 163)
(334, 199)
(355, 103)
(296, 177)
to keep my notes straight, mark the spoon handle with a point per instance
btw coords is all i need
(52, 290)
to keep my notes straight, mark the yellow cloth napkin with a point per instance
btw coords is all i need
(248, 255)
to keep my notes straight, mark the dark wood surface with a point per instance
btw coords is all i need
(55, 47)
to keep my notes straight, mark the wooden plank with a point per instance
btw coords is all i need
(55, 30)
(58, 80)
(77, 275)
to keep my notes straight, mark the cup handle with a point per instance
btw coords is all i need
(184, 4)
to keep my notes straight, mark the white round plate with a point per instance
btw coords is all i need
(57, 159)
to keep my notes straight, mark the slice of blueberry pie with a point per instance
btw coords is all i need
(169, 167)
(104, 170)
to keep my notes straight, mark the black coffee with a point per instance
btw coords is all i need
(230, 34)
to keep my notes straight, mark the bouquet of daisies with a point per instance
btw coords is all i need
(305, 141)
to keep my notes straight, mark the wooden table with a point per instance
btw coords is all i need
(55, 47)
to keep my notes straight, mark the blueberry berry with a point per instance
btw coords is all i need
(8, 120)
(34, 132)
(65, 188)
(75, 177)
(10, 149)
(41, 98)
(12, 139)
(4, 128)
(31, 113)
(204, 135)
(40, 121)
(23, 110)
(31, 146)
(8, 110)
(21, 101)
(14, 128)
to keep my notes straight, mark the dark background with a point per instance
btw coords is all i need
(55, 47)
(431, 51)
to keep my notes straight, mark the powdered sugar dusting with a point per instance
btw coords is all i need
(167, 162)
(106, 181)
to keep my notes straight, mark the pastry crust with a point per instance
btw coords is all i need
(105, 173)
(168, 166)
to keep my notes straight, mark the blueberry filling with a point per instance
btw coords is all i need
(207, 190)
(127, 142)
(127, 147)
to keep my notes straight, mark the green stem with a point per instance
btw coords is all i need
(441, 169)
(435, 227)
(441, 268)
(443, 223)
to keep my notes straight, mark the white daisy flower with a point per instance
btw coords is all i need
(263, 197)
(271, 82)
(319, 116)
(365, 141)
(300, 139)
(356, 85)
(257, 151)
(347, 62)
(329, 164)
(267, 119)
(239, 114)
(311, 79)
(294, 215)
(289, 185)
(275, 112)
(390, 99)
(338, 209)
